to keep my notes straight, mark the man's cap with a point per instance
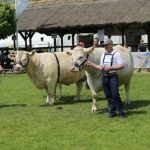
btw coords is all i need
(81, 44)
(108, 41)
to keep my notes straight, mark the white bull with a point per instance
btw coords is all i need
(43, 70)
(80, 55)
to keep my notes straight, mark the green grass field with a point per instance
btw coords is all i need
(27, 123)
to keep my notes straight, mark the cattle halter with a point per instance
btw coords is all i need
(82, 64)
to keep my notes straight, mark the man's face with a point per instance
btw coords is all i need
(141, 42)
(108, 47)
(95, 42)
(125, 46)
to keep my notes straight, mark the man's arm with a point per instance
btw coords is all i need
(118, 67)
(89, 63)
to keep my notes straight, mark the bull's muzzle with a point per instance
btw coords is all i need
(17, 67)
(75, 67)
(75, 64)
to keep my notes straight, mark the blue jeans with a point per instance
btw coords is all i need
(86, 85)
(13, 66)
(111, 90)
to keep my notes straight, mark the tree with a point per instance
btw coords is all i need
(7, 20)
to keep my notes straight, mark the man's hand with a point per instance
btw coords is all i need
(89, 63)
(107, 68)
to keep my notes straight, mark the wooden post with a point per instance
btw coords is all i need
(14, 40)
(25, 37)
(31, 33)
(54, 44)
(61, 37)
(73, 34)
(147, 29)
(122, 29)
(109, 36)
(122, 32)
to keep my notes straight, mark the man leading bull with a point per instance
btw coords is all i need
(111, 61)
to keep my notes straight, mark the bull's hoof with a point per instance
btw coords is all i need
(76, 100)
(127, 104)
(94, 110)
(60, 97)
(50, 104)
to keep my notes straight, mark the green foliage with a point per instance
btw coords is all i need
(27, 123)
(7, 20)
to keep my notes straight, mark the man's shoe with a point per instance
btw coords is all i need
(112, 115)
(121, 116)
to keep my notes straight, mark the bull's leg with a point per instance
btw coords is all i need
(78, 90)
(127, 89)
(94, 94)
(50, 90)
(94, 106)
(60, 90)
(50, 100)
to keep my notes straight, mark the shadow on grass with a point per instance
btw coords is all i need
(13, 105)
(129, 113)
(137, 104)
(130, 109)
(70, 100)
(102, 110)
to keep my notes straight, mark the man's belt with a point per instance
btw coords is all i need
(109, 74)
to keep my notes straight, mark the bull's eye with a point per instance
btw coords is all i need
(24, 59)
(81, 57)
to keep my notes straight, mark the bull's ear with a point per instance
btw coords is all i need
(31, 53)
(11, 56)
(89, 50)
(69, 52)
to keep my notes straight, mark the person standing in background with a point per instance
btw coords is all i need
(128, 47)
(96, 42)
(141, 48)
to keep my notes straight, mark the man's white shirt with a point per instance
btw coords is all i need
(117, 60)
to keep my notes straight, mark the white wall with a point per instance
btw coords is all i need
(36, 40)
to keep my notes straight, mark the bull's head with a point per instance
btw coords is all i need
(79, 57)
(21, 59)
